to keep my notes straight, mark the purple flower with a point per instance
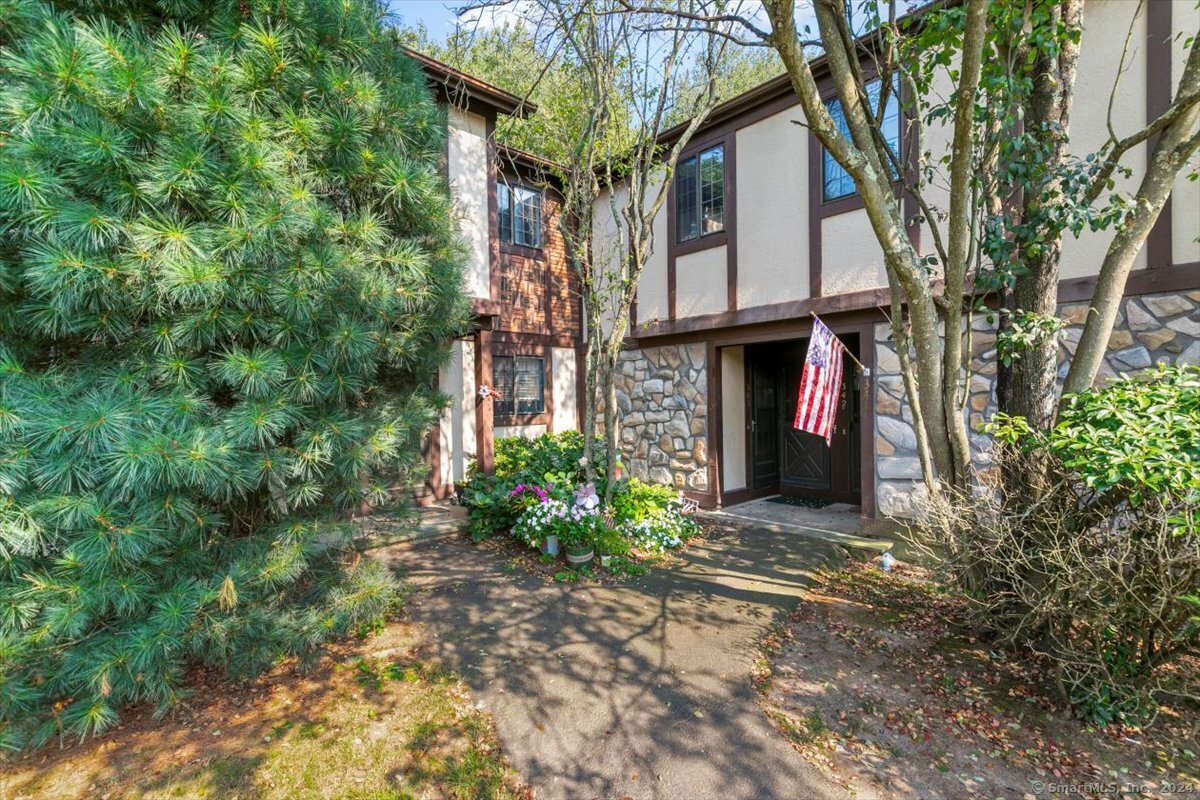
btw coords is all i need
(586, 497)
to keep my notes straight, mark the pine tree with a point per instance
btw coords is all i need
(227, 271)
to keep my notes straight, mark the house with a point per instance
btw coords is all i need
(762, 230)
(526, 338)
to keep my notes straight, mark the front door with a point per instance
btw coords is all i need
(795, 462)
(762, 386)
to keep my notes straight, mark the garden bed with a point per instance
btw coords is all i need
(569, 522)
(374, 718)
(872, 680)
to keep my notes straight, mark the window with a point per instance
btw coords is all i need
(520, 215)
(835, 181)
(700, 195)
(522, 381)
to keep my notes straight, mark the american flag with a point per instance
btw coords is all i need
(820, 383)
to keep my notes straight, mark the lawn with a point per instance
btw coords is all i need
(374, 719)
(872, 679)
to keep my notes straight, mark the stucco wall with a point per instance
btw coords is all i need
(733, 418)
(701, 283)
(468, 172)
(652, 288)
(851, 259)
(563, 385)
(1185, 199)
(457, 424)
(772, 241)
(526, 431)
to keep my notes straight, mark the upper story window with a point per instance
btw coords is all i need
(836, 183)
(520, 215)
(700, 194)
(521, 380)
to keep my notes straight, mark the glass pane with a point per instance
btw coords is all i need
(504, 203)
(502, 377)
(529, 388)
(836, 182)
(528, 227)
(687, 223)
(712, 190)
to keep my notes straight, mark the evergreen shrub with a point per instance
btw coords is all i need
(227, 268)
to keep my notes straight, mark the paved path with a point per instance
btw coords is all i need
(639, 689)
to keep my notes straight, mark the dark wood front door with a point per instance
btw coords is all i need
(763, 423)
(796, 462)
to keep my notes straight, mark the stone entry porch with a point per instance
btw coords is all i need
(839, 523)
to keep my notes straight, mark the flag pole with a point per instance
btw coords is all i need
(861, 366)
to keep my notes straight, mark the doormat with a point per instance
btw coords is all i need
(802, 502)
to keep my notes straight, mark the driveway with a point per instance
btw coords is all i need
(639, 689)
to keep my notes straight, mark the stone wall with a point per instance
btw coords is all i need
(662, 403)
(1149, 329)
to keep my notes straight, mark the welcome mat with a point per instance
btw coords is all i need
(802, 502)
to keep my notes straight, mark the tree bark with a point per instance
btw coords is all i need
(1029, 382)
(1176, 145)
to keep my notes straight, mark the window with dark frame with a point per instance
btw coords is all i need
(522, 382)
(520, 214)
(700, 194)
(836, 183)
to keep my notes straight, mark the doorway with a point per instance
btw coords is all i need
(791, 462)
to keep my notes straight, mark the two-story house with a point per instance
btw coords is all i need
(762, 230)
(525, 343)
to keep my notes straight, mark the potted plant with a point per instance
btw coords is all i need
(578, 536)
(611, 544)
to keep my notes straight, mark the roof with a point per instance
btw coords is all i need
(781, 85)
(458, 86)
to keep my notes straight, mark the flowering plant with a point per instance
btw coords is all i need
(574, 525)
(664, 530)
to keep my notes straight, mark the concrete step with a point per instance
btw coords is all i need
(865, 547)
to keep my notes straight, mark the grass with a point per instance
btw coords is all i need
(374, 720)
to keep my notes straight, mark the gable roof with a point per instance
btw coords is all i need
(459, 88)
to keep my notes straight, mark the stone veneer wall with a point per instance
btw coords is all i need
(1149, 329)
(662, 404)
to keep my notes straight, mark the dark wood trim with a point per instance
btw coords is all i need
(524, 339)
(704, 242)
(1159, 245)
(1175, 278)
(737, 496)
(726, 238)
(485, 307)
(508, 348)
(731, 244)
(716, 426)
(866, 436)
(706, 500)
(485, 451)
(580, 383)
(457, 88)
(832, 304)
(493, 213)
(671, 245)
(820, 209)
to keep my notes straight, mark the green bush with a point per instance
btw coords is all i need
(227, 265)
(551, 460)
(635, 500)
(1094, 565)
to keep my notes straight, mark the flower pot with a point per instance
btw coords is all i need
(606, 561)
(550, 545)
(580, 555)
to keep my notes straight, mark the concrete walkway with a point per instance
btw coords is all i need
(637, 690)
